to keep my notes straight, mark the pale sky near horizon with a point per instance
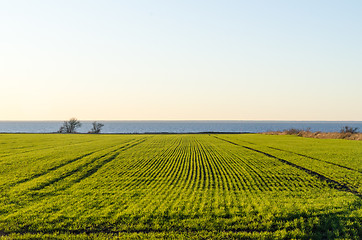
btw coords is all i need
(181, 60)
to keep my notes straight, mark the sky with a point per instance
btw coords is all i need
(181, 60)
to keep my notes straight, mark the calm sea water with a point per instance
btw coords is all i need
(176, 126)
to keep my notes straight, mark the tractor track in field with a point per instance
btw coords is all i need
(180, 186)
(306, 156)
(332, 183)
(46, 148)
(88, 173)
(61, 165)
(50, 169)
(93, 169)
(313, 158)
(70, 173)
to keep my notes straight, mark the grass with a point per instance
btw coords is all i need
(202, 186)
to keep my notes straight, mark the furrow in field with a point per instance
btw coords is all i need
(79, 169)
(236, 177)
(258, 177)
(27, 168)
(171, 189)
(99, 164)
(237, 170)
(313, 158)
(165, 192)
(232, 182)
(223, 175)
(147, 177)
(128, 174)
(160, 173)
(270, 177)
(332, 183)
(85, 169)
(194, 163)
(180, 165)
(226, 169)
(347, 171)
(195, 188)
(346, 176)
(182, 184)
(53, 147)
(146, 170)
(304, 155)
(230, 171)
(247, 170)
(259, 173)
(38, 181)
(187, 179)
(39, 196)
(37, 175)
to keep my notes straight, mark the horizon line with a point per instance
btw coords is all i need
(180, 120)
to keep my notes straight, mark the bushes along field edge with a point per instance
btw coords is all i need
(346, 132)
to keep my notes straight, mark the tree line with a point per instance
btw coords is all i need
(72, 124)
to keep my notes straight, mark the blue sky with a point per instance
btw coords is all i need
(181, 60)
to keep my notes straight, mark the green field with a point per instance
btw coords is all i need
(201, 186)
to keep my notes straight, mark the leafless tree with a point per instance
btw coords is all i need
(96, 127)
(70, 126)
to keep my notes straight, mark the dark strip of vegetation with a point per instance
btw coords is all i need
(346, 132)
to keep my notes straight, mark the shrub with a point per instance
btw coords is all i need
(293, 131)
(347, 129)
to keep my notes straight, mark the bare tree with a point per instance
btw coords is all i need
(70, 126)
(96, 127)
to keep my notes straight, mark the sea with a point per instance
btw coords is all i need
(179, 126)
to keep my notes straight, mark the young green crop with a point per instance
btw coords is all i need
(178, 186)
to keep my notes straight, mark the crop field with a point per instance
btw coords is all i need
(196, 186)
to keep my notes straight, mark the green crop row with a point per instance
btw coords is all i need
(177, 186)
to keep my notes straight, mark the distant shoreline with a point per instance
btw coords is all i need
(177, 127)
(144, 133)
(305, 134)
